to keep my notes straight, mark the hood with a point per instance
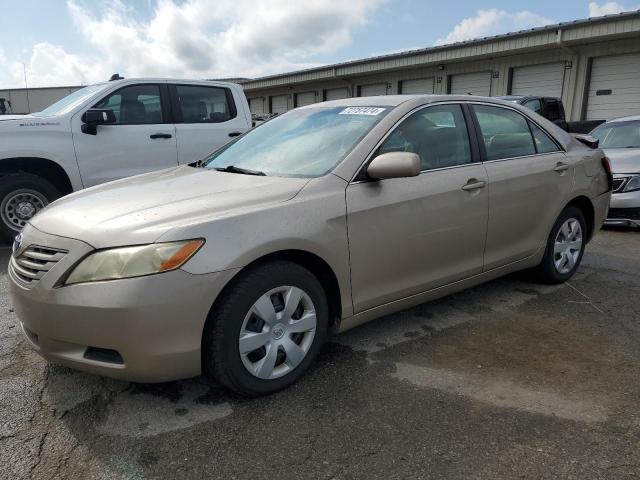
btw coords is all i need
(4, 118)
(624, 160)
(140, 209)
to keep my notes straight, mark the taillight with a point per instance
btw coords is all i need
(607, 168)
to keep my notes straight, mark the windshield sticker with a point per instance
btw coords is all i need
(362, 111)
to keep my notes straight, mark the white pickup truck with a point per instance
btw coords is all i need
(108, 131)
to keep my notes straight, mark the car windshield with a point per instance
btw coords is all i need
(68, 103)
(618, 134)
(308, 142)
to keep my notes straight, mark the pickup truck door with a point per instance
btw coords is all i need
(207, 117)
(141, 140)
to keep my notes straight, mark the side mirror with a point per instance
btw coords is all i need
(94, 117)
(394, 165)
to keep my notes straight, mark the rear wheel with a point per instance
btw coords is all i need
(267, 329)
(565, 247)
(22, 195)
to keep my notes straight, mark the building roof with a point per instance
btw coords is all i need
(621, 24)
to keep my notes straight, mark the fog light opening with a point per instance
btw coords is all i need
(103, 355)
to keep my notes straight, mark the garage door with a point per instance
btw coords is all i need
(419, 85)
(336, 93)
(305, 98)
(372, 90)
(614, 90)
(256, 105)
(544, 80)
(478, 83)
(279, 103)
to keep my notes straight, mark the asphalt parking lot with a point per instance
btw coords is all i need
(507, 380)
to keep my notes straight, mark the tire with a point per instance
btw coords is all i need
(30, 192)
(232, 317)
(558, 267)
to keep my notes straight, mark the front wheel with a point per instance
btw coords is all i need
(267, 329)
(22, 195)
(565, 247)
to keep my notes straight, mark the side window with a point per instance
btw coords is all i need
(204, 104)
(134, 105)
(543, 143)
(506, 133)
(534, 105)
(438, 134)
(553, 109)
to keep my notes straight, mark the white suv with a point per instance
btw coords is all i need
(108, 131)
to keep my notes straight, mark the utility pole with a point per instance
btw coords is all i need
(26, 87)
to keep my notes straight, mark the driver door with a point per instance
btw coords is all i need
(141, 140)
(410, 235)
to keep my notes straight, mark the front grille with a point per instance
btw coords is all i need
(624, 213)
(32, 264)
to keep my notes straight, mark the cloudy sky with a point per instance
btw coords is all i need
(71, 42)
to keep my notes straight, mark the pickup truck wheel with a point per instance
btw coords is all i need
(22, 195)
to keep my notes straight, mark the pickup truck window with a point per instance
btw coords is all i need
(553, 109)
(134, 105)
(533, 105)
(199, 104)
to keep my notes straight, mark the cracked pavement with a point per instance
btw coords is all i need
(507, 380)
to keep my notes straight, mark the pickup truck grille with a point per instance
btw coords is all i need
(33, 263)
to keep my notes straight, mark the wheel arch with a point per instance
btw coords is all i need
(42, 167)
(586, 207)
(312, 262)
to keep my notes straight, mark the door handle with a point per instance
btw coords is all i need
(235, 134)
(561, 167)
(474, 184)
(160, 135)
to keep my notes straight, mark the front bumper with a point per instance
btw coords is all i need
(624, 210)
(145, 329)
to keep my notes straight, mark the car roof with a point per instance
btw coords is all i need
(395, 100)
(630, 118)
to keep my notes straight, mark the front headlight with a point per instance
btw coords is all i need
(632, 184)
(127, 262)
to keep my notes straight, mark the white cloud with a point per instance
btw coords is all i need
(196, 39)
(492, 22)
(608, 8)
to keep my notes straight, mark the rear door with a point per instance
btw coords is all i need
(530, 180)
(409, 235)
(206, 118)
(141, 140)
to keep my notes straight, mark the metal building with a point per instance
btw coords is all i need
(29, 100)
(593, 65)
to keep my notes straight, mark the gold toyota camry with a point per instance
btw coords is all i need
(239, 266)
